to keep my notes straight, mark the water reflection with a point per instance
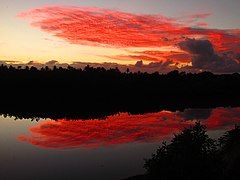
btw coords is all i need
(124, 128)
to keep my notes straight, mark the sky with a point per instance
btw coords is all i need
(144, 34)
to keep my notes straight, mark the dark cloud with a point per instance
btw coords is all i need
(197, 47)
(33, 63)
(205, 58)
(6, 62)
(238, 57)
(139, 64)
(52, 63)
(162, 66)
(195, 114)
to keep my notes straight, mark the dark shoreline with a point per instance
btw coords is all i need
(96, 92)
(26, 111)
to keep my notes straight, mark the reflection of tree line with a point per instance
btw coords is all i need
(96, 92)
(192, 154)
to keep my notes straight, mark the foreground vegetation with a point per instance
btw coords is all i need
(192, 154)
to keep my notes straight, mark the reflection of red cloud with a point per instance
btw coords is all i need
(222, 118)
(116, 129)
(120, 129)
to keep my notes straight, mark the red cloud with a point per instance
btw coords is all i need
(104, 27)
(140, 56)
(122, 128)
(98, 26)
(172, 57)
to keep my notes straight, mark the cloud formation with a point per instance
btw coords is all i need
(160, 66)
(156, 56)
(204, 57)
(97, 26)
(116, 29)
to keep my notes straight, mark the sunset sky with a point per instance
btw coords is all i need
(204, 35)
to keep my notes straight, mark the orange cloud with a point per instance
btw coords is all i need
(181, 57)
(125, 128)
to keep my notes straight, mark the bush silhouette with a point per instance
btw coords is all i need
(230, 153)
(190, 155)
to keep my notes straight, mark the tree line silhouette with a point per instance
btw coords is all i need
(57, 92)
(192, 154)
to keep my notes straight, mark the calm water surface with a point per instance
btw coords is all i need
(113, 148)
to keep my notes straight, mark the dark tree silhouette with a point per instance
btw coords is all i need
(96, 92)
(190, 155)
(230, 153)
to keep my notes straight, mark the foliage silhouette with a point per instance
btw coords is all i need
(230, 153)
(96, 92)
(192, 154)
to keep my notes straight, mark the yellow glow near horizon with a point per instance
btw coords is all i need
(19, 41)
(28, 44)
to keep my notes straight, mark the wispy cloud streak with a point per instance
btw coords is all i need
(98, 26)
